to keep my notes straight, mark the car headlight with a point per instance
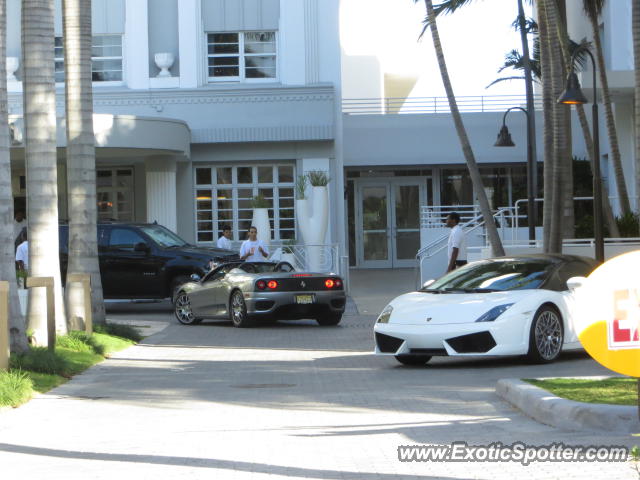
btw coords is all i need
(494, 313)
(385, 314)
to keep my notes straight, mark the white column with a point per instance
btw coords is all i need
(136, 44)
(191, 47)
(161, 191)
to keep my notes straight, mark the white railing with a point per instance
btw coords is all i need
(400, 105)
(505, 217)
(325, 257)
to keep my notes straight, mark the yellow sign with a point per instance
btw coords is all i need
(607, 317)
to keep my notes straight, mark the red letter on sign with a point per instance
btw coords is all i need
(620, 333)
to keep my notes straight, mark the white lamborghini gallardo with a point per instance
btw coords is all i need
(518, 305)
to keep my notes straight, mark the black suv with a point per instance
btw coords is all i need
(139, 260)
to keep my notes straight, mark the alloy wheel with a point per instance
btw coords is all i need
(184, 313)
(548, 334)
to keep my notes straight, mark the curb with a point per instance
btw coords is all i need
(566, 414)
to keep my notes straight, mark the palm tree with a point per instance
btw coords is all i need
(18, 338)
(569, 47)
(635, 27)
(474, 171)
(81, 160)
(39, 100)
(593, 9)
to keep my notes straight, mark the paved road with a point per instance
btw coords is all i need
(290, 401)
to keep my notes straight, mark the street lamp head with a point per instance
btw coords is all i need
(504, 138)
(572, 94)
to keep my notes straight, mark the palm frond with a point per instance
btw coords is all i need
(593, 8)
(504, 79)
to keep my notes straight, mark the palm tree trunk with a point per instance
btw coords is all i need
(559, 129)
(586, 133)
(635, 28)
(40, 156)
(568, 210)
(474, 171)
(547, 105)
(616, 162)
(81, 159)
(18, 339)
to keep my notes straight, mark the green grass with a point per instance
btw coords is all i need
(15, 387)
(40, 370)
(118, 330)
(614, 391)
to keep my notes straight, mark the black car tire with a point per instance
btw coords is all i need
(176, 283)
(238, 310)
(546, 336)
(413, 360)
(182, 309)
(329, 320)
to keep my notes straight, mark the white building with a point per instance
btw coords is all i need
(252, 100)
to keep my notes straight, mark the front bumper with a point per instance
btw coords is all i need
(487, 338)
(283, 305)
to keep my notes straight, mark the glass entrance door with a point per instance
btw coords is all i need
(388, 221)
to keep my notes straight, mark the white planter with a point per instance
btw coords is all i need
(12, 66)
(23, 297)
(261, 222)
(313, 220)
(164, 61)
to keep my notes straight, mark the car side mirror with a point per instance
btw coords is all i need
(427, 283)
(575, 282)
(141, 247)
(195, 277)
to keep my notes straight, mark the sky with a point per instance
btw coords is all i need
(475, 40)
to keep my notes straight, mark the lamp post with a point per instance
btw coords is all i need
(573, 96)
(504, 140)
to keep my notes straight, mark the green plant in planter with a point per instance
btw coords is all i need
(287, 246)
(259, 202)
(628, 224)
(301, 187)
(318, 178)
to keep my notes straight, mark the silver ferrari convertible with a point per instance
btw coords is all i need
(250, 292)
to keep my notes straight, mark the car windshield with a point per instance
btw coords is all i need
(257, 267)
(162, 236)
(494, 275)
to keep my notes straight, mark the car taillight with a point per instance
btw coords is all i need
(329, 283)
(338, 283)
(272, 284)
(261, 284)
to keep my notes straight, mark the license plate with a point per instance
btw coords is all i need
(304, 299)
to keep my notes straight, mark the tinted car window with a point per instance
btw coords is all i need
(572, 269)
(508, 274)
(124, 239)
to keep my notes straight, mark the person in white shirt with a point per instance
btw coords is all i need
(224, 241)
(457, 245)
(19, 223)
(253, 250)
(22, 254)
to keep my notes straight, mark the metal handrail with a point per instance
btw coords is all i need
(401, 105)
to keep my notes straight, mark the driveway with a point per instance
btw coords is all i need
(293, 400)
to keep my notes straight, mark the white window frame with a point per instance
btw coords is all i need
(107, 83)
(237, 234)
(114, 189)
(241, 58)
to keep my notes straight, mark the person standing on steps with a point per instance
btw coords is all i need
(253, 250)
(457, 245)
